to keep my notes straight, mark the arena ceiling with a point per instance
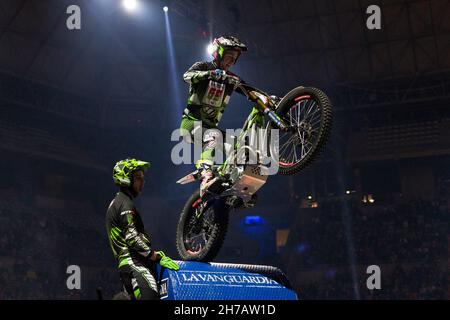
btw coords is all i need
(319, 42)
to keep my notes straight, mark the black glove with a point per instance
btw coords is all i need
(233, 80)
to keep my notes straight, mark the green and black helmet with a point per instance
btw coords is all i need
(222, 44)
(123, 169)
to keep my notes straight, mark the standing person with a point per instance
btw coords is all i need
(129, 241)
(211, 85)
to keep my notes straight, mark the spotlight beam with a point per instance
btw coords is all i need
(173, 68)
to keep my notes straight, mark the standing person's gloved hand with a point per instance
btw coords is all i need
(218, 74)
(166, 262)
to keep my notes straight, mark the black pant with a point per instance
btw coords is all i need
(139, 280)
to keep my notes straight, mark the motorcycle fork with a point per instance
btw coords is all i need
(265, 109)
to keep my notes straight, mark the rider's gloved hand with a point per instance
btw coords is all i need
(166, 262)
(233, 80)
(218, 74)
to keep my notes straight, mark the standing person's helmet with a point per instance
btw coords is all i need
(124, 168)
(225, 43)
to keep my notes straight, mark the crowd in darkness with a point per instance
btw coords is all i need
(409, 241)
(37, 246)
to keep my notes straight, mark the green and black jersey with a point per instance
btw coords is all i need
(208, 98)
(127, 236)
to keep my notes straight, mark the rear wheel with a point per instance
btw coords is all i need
(201, 228)
(308, 113)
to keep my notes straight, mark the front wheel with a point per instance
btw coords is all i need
(308, 113)
(201, 228)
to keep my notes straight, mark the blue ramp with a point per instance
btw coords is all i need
(223, 281)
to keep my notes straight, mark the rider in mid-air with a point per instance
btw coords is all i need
(211, 85)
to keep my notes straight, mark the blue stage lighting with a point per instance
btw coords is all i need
(253, 221)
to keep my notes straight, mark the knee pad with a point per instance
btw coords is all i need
(211, 137)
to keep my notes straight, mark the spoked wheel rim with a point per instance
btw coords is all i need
(197, 231)
(304, 118)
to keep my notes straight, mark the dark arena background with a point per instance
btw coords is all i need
(75, 101)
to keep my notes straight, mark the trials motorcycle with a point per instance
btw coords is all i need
(303, 118)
